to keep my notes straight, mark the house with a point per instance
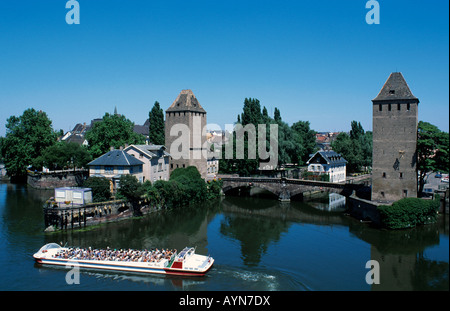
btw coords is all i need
(330, 163)
(212, 167)
(114, 164)
(77, 135)
(155, 160)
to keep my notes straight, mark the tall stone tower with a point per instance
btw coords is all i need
(185, 131)
(394, 173)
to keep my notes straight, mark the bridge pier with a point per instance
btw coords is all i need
(285, 194)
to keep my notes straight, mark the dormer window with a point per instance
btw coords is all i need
(391, 92)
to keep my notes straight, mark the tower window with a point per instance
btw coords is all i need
(389, 107)
(382, 194)
(384, 175)
(380, 107)
(398, 106)
(408, 106)
(401, 175)
(405, 193)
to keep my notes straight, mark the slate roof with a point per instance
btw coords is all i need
(116, 158)
(186, 101)
(395, 88)
(329, 156)
(151, 150)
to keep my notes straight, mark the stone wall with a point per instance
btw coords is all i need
(192, 144)
(364, 210)
(394, 174)
(56, 179)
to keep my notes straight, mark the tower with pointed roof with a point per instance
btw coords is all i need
(395, 119)
(185, 133)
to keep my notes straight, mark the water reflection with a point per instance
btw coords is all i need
(333, 202)
(258, 244)
(401, 255)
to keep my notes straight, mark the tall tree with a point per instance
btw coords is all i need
(156, 127)
(277, 115)
(432, 151)
(113, 131)
(355, 147)
(357, 130)
(251, 112)
(26, 138)
(306, 139)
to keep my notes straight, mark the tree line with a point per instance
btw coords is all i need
(31, 143)
(185, 186)
(295, 143)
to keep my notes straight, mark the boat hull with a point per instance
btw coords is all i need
(125, 266)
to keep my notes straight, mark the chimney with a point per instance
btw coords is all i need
(111, 148)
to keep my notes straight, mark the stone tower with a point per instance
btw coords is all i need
(185, 131)
(394, 173)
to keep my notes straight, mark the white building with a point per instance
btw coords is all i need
(330, 163)
(212, 168)
(73, 195)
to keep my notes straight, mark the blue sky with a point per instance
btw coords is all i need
(317, 61)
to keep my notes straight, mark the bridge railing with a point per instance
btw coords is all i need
(285, 180)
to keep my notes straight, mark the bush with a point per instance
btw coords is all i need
(130, 188)
(408, 212)
(184, 187)
(101, 188)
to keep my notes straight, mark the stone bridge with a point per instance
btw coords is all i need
(286, 188)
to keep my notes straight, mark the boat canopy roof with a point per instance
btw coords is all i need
(185, 251)
(50, 246)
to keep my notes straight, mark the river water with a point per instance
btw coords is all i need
(257, 243)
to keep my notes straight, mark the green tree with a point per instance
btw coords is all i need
(251, 112)
(357, 130)
(113, 131)
(156, 127)
(61, 155)
(306, 139)
(432, 151)
(191, 183)
(355, 147)
(101, 188)
(2, 149)
(250, 116)
(27, 136)
(132, 190)
(169, 192)
(277, 115)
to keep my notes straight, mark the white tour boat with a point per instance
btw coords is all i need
(185, 263)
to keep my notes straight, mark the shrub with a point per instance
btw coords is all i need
(101, 188)
(185, 186)
(408, 212)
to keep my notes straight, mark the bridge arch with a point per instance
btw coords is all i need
(266, 187)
